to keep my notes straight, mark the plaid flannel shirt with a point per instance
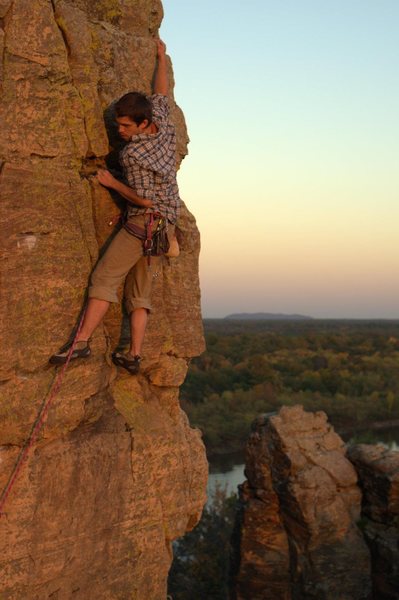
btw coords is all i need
(149, 165)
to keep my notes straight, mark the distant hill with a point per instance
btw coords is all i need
(268, 316)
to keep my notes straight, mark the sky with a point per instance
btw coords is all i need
(292, 172)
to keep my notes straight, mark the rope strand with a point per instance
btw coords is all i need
(39, 422)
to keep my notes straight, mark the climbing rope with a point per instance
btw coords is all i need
(39, 422)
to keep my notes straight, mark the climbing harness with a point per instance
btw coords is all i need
(39, 422)
(155, 241)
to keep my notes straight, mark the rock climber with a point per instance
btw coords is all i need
(149, 165)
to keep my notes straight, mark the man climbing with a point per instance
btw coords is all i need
(149, 165)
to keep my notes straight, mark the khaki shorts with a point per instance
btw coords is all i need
(124, 256)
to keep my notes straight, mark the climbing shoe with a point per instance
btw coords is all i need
(81, 350)
(127, 361)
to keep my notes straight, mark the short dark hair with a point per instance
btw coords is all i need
(136, 106)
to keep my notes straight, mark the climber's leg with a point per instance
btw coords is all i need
(121, 255)
(138, 324)
(131, 360)
(138, 287)
(95, 311)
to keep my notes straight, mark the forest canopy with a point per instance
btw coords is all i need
(349, 369)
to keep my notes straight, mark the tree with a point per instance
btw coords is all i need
(200, 569)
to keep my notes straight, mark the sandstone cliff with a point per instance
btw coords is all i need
(378, 470)
(117, 473)
(297, 535)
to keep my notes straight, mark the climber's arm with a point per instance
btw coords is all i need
(161, 80)
(108, 180)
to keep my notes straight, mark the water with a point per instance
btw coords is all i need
(388, 437)
(226, 481)
(227, 471)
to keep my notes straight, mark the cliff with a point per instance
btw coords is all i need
(315, 520)
(297, 534)
(118, 472)
(378, 471)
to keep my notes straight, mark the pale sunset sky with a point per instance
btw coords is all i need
(292, 173)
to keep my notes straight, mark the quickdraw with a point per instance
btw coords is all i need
(148, 243)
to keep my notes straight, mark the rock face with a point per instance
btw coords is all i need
(378, 470)
(117, 472)
(262, 561)
(299, 508)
